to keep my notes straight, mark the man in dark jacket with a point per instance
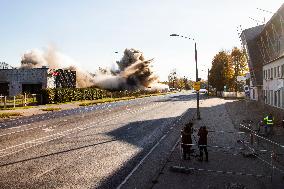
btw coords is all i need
(186, 140)
(202, 142)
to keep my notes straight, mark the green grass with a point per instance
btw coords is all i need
(107, 100)
(9, 114)
(17, 108)
(50, 109)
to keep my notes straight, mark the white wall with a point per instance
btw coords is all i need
(273, 86)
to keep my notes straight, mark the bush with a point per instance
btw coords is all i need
(9, 114)
(62, 95)
(51, 109)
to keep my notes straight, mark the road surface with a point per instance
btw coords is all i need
(93, 147)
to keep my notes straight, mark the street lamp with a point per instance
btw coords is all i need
(197, 79)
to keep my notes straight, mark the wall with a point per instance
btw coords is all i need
(233, 94)
(272, 84)
(17, 77)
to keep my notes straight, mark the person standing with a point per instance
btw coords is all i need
(268, 124)
(186, 140)
(202, 142)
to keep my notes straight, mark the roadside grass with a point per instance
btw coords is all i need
(50, 109)
(9, 114)
(107, 100)
(17, 108)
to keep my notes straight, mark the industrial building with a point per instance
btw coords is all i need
(14, 81)
(264, 45)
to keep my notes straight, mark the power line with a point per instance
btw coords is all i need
(264, 10)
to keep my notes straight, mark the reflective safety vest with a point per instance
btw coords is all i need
(268, 121)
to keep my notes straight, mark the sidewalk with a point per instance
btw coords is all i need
(227, 168)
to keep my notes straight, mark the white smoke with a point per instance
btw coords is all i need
(134, 71)
(55, 60)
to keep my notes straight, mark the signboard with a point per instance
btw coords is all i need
(196, 86)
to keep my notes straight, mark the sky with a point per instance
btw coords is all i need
(91, 31)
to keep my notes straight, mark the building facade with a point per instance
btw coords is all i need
(17, 81)
(271, 45)
(265, 51)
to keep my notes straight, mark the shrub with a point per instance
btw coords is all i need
(9, 114)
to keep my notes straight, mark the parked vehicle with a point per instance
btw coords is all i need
(203, 91)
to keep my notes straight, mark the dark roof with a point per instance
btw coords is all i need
(255, 60)
(272, 26)
(257, 56)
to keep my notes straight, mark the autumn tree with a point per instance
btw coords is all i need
(221, 73)
(172, 78)
(226, 66)
(239, 63)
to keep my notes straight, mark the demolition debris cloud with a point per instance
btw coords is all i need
(134, 71)
(55, 60)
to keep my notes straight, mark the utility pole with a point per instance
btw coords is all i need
(197, 92)
(208, 82)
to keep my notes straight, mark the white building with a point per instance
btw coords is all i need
(273, 83)
(265, 49)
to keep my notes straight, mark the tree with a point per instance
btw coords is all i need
(221, 73)
(239, 63)
(226, 66)
(172, 77)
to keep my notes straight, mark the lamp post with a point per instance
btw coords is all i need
(197, 79)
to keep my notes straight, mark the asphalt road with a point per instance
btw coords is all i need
(106, 146)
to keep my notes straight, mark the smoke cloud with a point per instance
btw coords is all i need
(134, 71)
(55, 60)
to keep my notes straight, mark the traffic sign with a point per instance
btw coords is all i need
(196, 86)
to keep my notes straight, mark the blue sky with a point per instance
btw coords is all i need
(90, 31)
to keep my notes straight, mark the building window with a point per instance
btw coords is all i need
(282, 71)
(268, 73)
(271, 97)
(278, 71)
(278, 97)
(268, 97)
(282, 97)
(275, 72)
(275, 98)
(265, 74)
(271, 73)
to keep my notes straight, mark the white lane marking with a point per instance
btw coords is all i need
(27, 129)
(60, 135)
(138, 165)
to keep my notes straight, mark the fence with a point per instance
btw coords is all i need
(18, 101)
(269, 152)
(272, 151)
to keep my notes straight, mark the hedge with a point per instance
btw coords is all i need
(61, 95)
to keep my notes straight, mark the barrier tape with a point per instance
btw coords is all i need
(224, 147)
(187, 170)
(263, 160)
(255, 133)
